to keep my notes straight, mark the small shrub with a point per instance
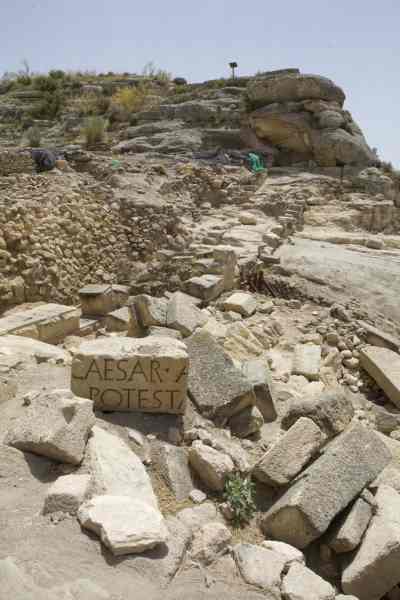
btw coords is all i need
(24, 79)
(34, 136)
(44, 83)
(94, 131)
(239, 493)
(133, 99)
(50, 106)
(57, 74)
(152, 72)
(91, 104)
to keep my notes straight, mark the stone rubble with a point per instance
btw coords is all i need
(227, 359)
(55, 425)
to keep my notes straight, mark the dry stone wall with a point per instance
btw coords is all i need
(57, 232)
(12, 161)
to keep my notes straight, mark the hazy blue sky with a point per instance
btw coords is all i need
(354, 42)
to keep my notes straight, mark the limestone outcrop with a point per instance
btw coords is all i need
(303, 117)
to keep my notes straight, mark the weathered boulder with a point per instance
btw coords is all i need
(252, 563)
(247, 422)
(242, 303)
(290, 553)
(209, 541)
(300, 583)
(332, 411)
(373, 570)
(206, 287)
(124, 524)
(294, 86)
(173, 464)
(25, 348)
(183, 315)
(285, 459)
(151, 311)
(49, 323)
(306, 510)
(383, 365)
(213, 467)
(197, 516)
(55, 424)
(216, 386)
(67, 494)
(257, 371)
(116, 470)
(302, 115)
(132, 374)
(101, 299)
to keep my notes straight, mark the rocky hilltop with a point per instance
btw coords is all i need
(302, 116)
(199, 342)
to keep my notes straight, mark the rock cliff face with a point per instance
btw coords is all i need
(302, 116)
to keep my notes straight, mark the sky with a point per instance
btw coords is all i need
(354, 42)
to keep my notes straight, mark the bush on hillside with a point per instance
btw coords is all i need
(134, 99)
(34, 136)
(45, 83)
(50, 106)
(24, 80)
(57, 74)
(94, 131)
(91, 104)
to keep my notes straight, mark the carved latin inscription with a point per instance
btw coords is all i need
(148, 375)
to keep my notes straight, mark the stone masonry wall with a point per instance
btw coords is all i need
(57, 232)
(12, 162)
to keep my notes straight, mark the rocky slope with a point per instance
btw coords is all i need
(218, 328)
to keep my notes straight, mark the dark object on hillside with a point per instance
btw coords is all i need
(233, 66)
(45, 160)
(179, 81)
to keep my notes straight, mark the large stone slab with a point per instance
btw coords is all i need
(55, 424)
(25, 348)
(216, 386)
(16, 584)
(67, 494)
(307, 361)
(206, 287)
(125, 525)
(225, 257)
(285, 459)
(132, 374)
(258, 373)
(151, 312)
(374, 569)
(306, 510)
(332, 411)
(48, 323)
(261, 567)
(119, 320)
(211, 466)
(377, 337)
(300, 583)
(174, 466)
(116, 470)
(346, 534)
(183, 315)
(242, 303)
(101, 299)
(383, 365)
